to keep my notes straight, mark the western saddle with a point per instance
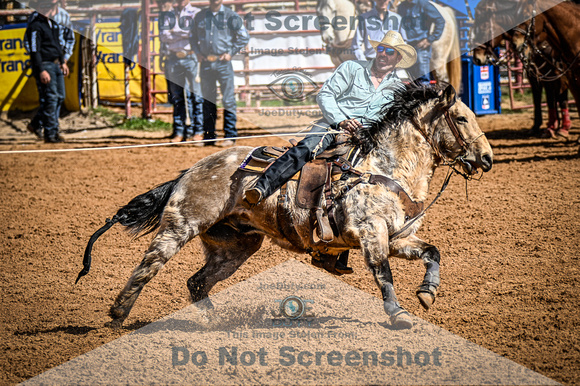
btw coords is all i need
(314, 192)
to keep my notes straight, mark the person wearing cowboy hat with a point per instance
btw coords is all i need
(374, 25)
(353, 95)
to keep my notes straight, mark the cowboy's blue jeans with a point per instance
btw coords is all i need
(181, 84)
(221, 72)
(51, 96)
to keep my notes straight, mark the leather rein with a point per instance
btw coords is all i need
(463, 143)
(530, 66)
(529, 33)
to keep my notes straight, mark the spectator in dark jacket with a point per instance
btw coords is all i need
(48, 67)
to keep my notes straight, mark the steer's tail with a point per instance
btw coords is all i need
(141, 215)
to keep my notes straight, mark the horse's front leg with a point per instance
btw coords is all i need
(414, 248)
(374, 241)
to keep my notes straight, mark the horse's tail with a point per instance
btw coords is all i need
(454, 63)
(141, 215)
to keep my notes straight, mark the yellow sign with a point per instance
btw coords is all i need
(18, 91)
(111, 68)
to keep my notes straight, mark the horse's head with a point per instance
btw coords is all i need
(485, 53)
(432, 115)
(457, 135)
(488, 32)
(524, 25)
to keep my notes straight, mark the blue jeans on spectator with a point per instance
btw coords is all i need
(421, 70)
(51, 97)
(181, 85)
(223, 73)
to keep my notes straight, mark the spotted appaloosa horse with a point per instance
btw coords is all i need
(423, 128)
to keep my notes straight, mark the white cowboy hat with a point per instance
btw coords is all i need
(395, 40)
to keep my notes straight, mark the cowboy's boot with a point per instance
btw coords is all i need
(277, 174)
(550, 131)
(564, 130)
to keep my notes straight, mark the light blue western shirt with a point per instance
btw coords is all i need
(350, 93)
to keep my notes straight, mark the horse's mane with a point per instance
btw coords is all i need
(407, 99)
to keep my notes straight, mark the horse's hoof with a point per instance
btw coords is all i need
(401, 320)
(426, 294)
(426, 299)
(115, 324)
(204, 304)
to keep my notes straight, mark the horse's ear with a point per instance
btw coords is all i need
(446, 99)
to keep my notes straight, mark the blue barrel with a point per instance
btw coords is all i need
(481, 90)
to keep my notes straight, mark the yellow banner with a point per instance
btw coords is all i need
(18, 91)
(111, 68)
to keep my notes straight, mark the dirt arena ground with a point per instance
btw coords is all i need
(510, 247)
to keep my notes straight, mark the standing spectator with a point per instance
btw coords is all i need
(181, 70)
(418, 17)
(48, 67)
(66, 38)
(218, 34)
(373, 25)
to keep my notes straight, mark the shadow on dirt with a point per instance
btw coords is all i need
(71, 330)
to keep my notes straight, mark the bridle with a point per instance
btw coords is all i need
(490, 14)
(529, 65)
(490, 53)
(446, 161)
(461, 140)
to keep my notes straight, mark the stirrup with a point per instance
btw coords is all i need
(321, 230)
(253, 196)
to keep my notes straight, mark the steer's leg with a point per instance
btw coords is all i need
(374, 241)
(414, 248)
